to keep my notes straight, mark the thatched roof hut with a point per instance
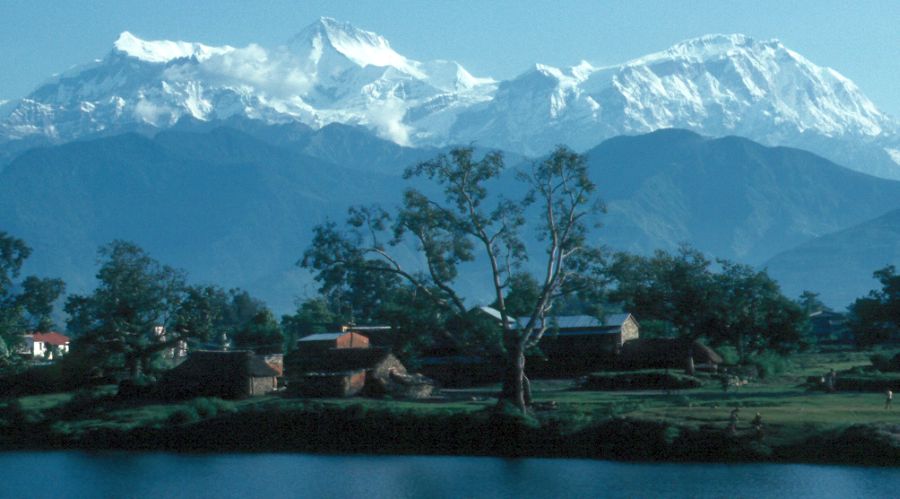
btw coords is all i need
(658, 353)
(225, 374)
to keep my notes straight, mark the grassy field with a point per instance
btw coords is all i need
(790, 412)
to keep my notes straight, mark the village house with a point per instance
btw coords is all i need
(576, 344)
(178, 351)
(44, 345)
(225, 374)
(666, 353)
(378, 335)
(343, 365)
(322, 342)
(829, 327)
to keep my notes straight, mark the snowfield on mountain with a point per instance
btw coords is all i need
(332, 72)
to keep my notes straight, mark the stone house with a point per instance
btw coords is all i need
(671, 353)
(323, 342)
(344, 372)
(225, 374)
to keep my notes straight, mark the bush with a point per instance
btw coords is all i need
(141, 387)
(729, 355)
(84, 400)
(12, 414)
(640, 380)
(205, 408)
(769, 364)
(182, 416)
(884, 363)
(869, 382)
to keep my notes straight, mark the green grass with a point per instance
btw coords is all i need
(789, 412)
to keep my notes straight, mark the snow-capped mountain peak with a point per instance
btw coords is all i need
(162, 51)
(363, 48)
(723, 84)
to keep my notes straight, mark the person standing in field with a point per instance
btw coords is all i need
(889, 398)
(733, 419)
(757, 425)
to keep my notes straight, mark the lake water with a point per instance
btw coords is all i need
(161, 475)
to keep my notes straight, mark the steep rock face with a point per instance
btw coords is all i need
(332, 72)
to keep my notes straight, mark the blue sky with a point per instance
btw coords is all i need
(861, 39)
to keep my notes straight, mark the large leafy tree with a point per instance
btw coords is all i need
(232, 317)
(261, 334)
(24, 306)
(876, 318)
(132, 314)
(736, 305)
(312, 316)
(753, 314)
(470, 218)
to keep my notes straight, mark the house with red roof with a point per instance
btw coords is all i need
(45, 345)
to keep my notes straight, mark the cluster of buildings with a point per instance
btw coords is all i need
(339, 364)
(357, 360)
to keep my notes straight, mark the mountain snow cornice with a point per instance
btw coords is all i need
(333, 72)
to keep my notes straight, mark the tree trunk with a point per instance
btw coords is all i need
(516, 386)
(134, 366)
(691, 370)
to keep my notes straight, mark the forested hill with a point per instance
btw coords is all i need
(840, 265)
(730, 197)
(229, 208)
(237, 207)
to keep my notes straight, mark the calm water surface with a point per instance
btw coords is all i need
(160, 475)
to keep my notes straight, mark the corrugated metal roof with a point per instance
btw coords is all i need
(581, 321)
(613, 321)
(322, 337)
(616, 319)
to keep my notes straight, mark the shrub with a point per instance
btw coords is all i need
(640, 380)
(182, 416)
(769, 364)
(729, 355)
(141, 387)
(205, 408)
(884, 363)
(869, 382)
(84, 400)
(12, 414)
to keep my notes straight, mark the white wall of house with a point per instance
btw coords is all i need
(36, 349)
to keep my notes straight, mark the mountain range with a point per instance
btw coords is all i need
(236, 207)
(221, 159)
(333, 72)
(840, 265)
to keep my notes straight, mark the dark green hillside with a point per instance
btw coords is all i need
(235, 205)
(730, 197)
(225, 206)
(839, 266)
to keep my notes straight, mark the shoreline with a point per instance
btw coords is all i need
(356, 431)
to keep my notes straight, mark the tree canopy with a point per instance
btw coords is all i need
(470, 221)
(25, 306)
(737, 305)
(876, 318)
